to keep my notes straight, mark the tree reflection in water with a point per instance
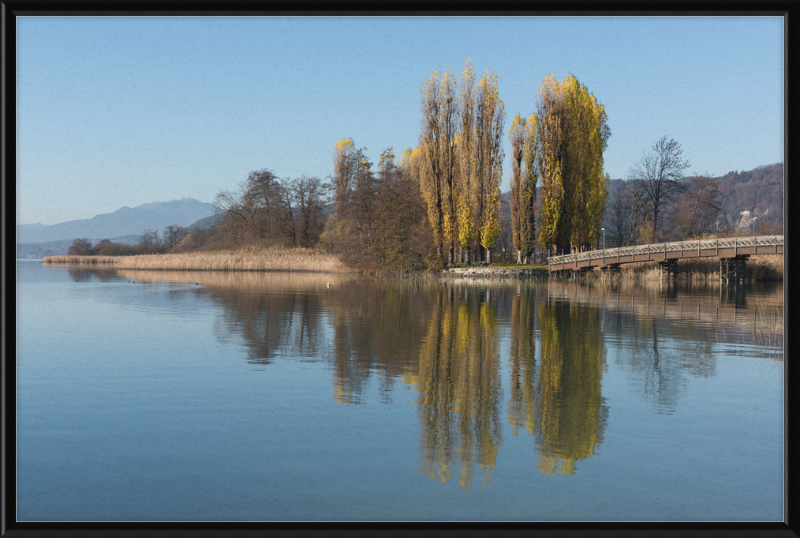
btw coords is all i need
(459, 382)
(377, 328)
(569, 413)
(443, 340)
(523, 363)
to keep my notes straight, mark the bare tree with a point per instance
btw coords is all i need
(239, 210)
(173, 234)
(288, 211)
(263, 187)
(80, 247)
(310, 195)
(149, 241)
(362, 206)
(660, 173)
(626, 214)
(697, 209)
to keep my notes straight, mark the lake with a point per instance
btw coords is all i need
(181, 396)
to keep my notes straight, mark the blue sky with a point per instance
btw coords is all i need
(115, 112)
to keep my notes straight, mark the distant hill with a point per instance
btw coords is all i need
(206, 222)
(758, 191)
(122, 222)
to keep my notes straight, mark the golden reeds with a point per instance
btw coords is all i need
(82, 260)
(243, 280)
(246, 259)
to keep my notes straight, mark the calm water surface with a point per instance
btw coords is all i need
(252, 397)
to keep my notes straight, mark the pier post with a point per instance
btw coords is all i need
(733, 269)
(668, 267)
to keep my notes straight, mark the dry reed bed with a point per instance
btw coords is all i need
(246, 259)
(245, 280)
(83, 260)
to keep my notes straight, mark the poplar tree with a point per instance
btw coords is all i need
(461, 159)
(489, 123)
(551, 156)
(572, 135)
(448, 156)
(529, 185)
(430, 145)
(466, 160)
(589, 135)
(343, 168)
(517, 136)
(522, 136)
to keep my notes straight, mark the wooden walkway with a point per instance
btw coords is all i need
(727, 248)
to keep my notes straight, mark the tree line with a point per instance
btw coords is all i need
(150, 242)
(440, 203)
(558, 150)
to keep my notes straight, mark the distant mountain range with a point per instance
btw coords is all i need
(122, 222)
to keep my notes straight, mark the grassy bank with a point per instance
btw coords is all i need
(246, 259)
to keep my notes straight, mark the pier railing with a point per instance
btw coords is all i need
(724, 247)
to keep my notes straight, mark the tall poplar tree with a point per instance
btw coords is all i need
(522, 136)
(466, 149)
(461, 164)
(448, 155)
(553, 130)
(528, 190)
(430, 145)
(517, 135)
(489, 123)
(572, 135)
(588, 140)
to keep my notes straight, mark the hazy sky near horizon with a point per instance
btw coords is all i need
(121, 111)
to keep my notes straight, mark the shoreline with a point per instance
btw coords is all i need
(760, 269)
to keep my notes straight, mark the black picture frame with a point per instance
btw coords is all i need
(11, 9)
